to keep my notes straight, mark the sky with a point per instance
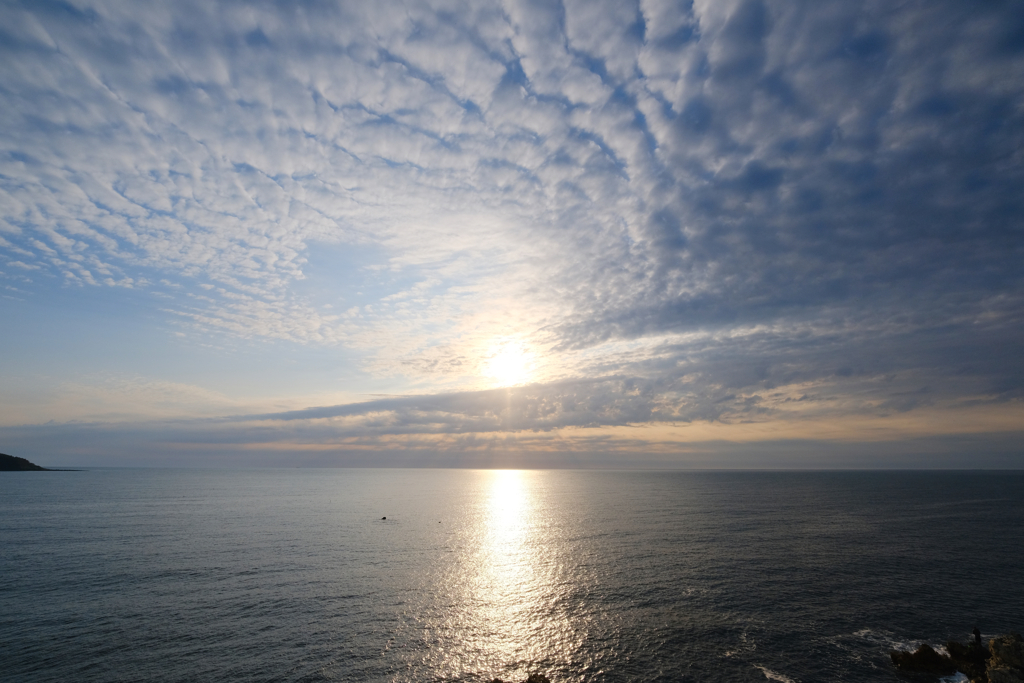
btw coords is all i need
(512, 234)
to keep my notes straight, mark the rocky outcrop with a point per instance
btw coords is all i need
(534, 678)
(1001, 662)
(1006, 663)
(1004, 675)
(10, 463)
(969, 659)
(924, 659)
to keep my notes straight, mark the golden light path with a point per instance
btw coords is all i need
(517, 583)
(504, 594)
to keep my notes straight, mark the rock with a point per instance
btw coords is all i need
(1004, 674)
(924, 659)
(534, 678)
(1007, 651)
(1001, 662)
(968, 659)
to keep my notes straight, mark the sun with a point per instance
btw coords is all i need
(509, 364)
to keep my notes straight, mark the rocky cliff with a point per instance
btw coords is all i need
(1001, 662)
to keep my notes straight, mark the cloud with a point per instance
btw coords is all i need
(688, 211)
(106, 398)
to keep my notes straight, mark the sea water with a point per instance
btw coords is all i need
(296, 575)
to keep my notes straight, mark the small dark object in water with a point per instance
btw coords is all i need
(383, 518)
(923, 659)
(534, 678)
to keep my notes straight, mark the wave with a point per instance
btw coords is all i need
(776, 676)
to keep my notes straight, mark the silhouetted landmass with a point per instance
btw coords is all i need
(1001, 662)
(10, 463)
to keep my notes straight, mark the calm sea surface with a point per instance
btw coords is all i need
(292, 575)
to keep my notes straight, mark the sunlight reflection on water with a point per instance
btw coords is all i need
(510, 616)
(509, 525)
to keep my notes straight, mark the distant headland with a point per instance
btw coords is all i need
(10, 463)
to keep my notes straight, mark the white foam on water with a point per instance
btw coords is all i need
(887, 641)
(955, 678)
(774, 676)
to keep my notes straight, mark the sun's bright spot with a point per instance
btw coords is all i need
(510, 363)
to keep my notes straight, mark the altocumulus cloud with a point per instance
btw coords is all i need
(692, 213)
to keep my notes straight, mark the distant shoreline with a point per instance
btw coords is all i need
(11, 463)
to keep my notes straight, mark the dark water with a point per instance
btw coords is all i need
(291, 575)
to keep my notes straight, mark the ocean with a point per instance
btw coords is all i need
(296, 575)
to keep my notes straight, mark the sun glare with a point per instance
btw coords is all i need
(510, 364)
